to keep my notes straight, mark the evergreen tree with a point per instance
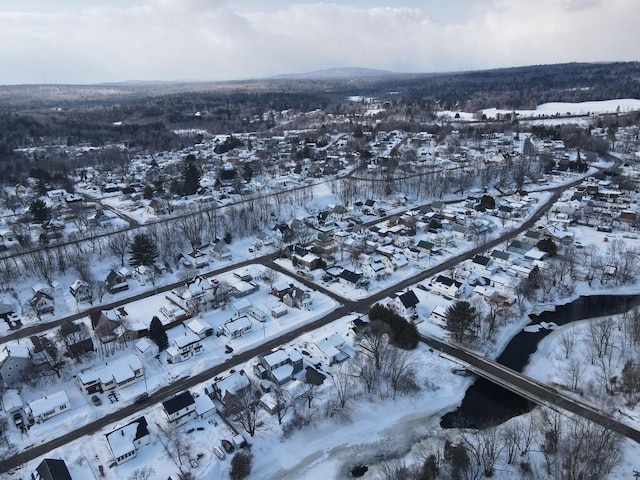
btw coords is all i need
(191, 176)
(39, 211)
(460, 318)
(143, 250)
(157, 333)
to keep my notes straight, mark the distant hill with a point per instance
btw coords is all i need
(337, 73)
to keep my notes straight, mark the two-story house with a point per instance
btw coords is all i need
(184, 348)
(298, 298)
(180, 408)
(116, 282)
(14, 361)
(228, 389)
(405, 303)
(125, 441)
(279, 366)
(118, 373)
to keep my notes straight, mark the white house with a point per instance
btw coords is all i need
(125, 441)
(184, 348)
(146, 348)
(119, 373)
(180, 408)
(199, 327)
(447, 287)
(329, 350)
(204, 406)
(405, 303)
(236, 328)
(81, 291)
(221, 251)
(44, 408)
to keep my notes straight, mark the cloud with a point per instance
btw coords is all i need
(208, 39)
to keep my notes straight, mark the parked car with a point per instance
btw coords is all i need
(218, 453)
(96, 400)
(143, 397)
(193, 462)
(228, 446)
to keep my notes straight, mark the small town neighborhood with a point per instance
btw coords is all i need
(279, 234)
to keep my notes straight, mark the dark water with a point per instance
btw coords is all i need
(486, 404)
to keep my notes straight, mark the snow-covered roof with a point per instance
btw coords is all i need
(48, 403)
(232, 383)
(144, 344)
(204, 405)
(11, 400)
(121, 441)
(186, 340)
(120, 370)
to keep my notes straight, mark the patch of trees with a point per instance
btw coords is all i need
(461, 319)
(548, 246)
(402, 333)
(563, 447)
(229, 144)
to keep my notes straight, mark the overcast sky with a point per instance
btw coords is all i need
(92, 41)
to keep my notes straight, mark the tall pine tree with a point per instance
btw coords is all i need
(157, 333)
(143, 250)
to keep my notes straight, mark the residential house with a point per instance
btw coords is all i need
(279, 366)
(280, 289)
(144, 274)
(279, 310)
(81, 291)
(428, 247)
(446, 286)
(502, 258)
(51, 469)
(120, 373)
(196, 258)
(157, 207)
(125, 441)
(405, 303)
(298, 298)
(184, 348)
(12, 402)
(309, 261)
(264, 239)
(116, 282)
(241, 307)
(414, 253)
(42, 303)
(15, 360)
(45, 408)
(329, 350)
(197, 295)
(229, 388)
(199, 327)
(235, 328)
(221, 252)
(520, 247)
(482, 265)
(352, 279)
(105, 323)
(146, 349)
(205, 406)
(243, 288)
(180, 408)
(374, 269)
